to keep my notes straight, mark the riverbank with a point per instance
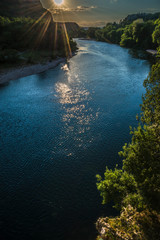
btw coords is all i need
(50, 125)
(27, 70)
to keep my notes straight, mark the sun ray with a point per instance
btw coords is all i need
(26, 10)
(67, 39)
(55, 38)
(37, 21)
(64, 40)
(42, 32)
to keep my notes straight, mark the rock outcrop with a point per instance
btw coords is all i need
(130, 225)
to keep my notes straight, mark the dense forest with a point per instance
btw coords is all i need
(30, 35)
(135, 189)
(30, 40)
(140, 31)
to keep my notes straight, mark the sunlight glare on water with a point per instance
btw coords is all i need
(74, 98)
(58, 129)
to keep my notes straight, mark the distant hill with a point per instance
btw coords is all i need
(145, 16)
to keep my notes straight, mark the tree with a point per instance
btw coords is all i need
(127, 37)
(156, 33)
(91, 32)
(26, 34)
(138, 35)
(138, 183)
(142, 34)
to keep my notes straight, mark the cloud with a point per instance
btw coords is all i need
(59, 10)
(84, 8)
(97, 23)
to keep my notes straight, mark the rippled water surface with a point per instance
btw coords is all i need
(58, 130)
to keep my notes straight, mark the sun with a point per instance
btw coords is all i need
(58, 2)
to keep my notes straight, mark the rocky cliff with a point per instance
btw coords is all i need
(130, 225)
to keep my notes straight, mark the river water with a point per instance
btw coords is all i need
(58, 130)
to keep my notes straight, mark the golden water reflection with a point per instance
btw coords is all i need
(78, 116)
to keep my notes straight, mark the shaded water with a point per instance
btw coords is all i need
(58, 130)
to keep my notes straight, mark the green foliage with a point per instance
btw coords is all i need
(91, 33)
(138, 31)
(151, 100)
(138, 183)
(4, 21)
(138, 35)
(30, 35)
(99, 36)
(116, 185)
(73, 45)
(143, 16)
(81, 33)
(158, 52)
(134, 199)
(142, 160)
(156, 33)
(110, 33)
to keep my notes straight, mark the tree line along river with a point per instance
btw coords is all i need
(58, 130)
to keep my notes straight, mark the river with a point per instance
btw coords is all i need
(58, 130)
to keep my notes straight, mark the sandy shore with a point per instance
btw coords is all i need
(19, 72)
(153, 52)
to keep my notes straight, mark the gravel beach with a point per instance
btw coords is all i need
(19, 72)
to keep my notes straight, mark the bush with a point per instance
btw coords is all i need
(9, 56)
(138, 183)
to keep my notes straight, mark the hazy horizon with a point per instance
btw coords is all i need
(98, 13)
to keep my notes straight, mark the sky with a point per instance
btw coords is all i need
(98, 12)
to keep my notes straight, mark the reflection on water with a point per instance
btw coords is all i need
(58, 130)
(77, 115)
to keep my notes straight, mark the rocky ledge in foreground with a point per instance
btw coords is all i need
(130, 225)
